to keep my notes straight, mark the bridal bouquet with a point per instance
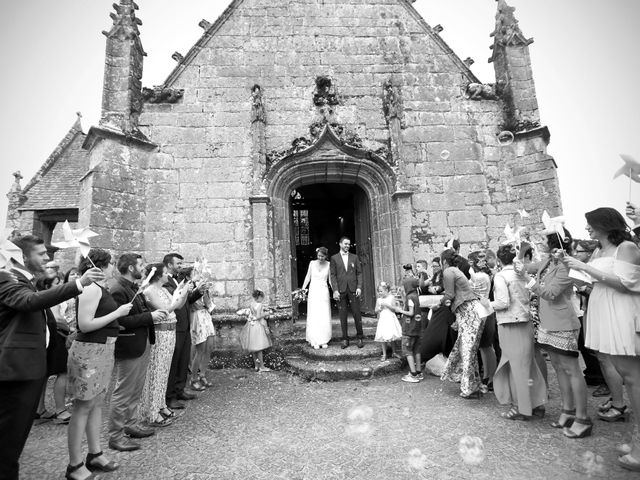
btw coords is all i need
(299, 296)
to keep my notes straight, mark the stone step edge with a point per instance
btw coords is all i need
(339, 370)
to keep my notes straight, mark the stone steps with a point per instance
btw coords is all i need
(334, 363)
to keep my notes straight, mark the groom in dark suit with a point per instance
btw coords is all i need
(346, 282)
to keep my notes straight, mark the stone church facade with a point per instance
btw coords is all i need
(291, 123)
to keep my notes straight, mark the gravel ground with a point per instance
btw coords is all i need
(275, 425)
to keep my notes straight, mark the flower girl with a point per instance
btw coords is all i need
(254, 336)
(389, 329)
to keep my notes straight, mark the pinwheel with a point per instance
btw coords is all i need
(631, 169)
(78, 238)
(523, 213)
(449, 244)
(144, 283)
(9, 251)
(512, 235)
(554, 225)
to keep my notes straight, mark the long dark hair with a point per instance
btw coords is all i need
(455, 260)
(609, 220)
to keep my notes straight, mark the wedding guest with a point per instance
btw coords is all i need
(255, 335)
(56, 358)
(318, 332)
(154, 408)
(593, 375)
(177, 381)
(411, 330)
(435, 285)
(91, 359)
(612, 317)
(481, 286)
(68, 308)
(202, 335)
(518, 380)
(132, 353)
(532, 267)
(388, 329)
(558, 335)
(23, 339)
(462, 364)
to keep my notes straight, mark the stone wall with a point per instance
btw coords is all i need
(199, 184)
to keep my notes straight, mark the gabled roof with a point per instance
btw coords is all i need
(233, 6)
(57, 184)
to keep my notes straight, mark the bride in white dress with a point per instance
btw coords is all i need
(318, 303)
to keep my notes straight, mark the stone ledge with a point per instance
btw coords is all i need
(343, 370)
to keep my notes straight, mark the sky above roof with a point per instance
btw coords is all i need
(584, 63)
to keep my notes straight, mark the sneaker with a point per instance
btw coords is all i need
(324, 346)
(410, 378)
(420, 376)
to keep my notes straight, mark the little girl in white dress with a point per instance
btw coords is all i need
(389, 329)
(255, 335)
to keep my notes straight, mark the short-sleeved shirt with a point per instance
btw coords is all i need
(412, 325)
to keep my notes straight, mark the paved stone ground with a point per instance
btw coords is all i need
(277, 426)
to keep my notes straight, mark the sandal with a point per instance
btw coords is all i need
(614, 414)
(629, 463)
(197, 386)
(162, 422)
(74, 468)
(62, 418)
(205, 382)
(586, 432)
(569, 416)
(93, 465)
(604, 406)
(514, 414)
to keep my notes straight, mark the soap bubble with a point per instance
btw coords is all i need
(471, 450)
(506, 138)
(445, 154)
(416, 459)
(593, 464)
(530, 382)
(359, 421)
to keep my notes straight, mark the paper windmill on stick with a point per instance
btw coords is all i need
(512, 235)
(9, 251)
(144, 283)
(631, 169)
(523, 213)
(78, 238)
(554, 225)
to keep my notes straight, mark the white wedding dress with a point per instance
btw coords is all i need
(318, 304)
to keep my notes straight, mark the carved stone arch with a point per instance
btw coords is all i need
(329, 160)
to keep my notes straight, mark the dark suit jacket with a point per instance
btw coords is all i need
(23, 324)
(341, 280)
(138, 325)
(182, 314)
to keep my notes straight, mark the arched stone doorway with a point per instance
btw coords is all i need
(330, 161)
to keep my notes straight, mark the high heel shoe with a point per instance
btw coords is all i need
(570, 416)
(74, 468)
(584, 433)
(514, 414)
(476, 394)
(614, 414)
(93, 465)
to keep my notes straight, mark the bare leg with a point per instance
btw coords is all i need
(94, 426)
(572, 370)
(77, 428)
(542, 365)
(59, 390)
(41, 406)
(629, 369)
(197, 360)
(384, 351)
(418, 364)
(563, 382)
(612, 379)
(254, 355)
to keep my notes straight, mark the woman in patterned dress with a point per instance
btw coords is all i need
(153, 405)
(89, 367)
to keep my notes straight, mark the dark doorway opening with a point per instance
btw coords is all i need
(321, 215)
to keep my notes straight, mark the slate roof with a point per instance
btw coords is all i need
(57, 184)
